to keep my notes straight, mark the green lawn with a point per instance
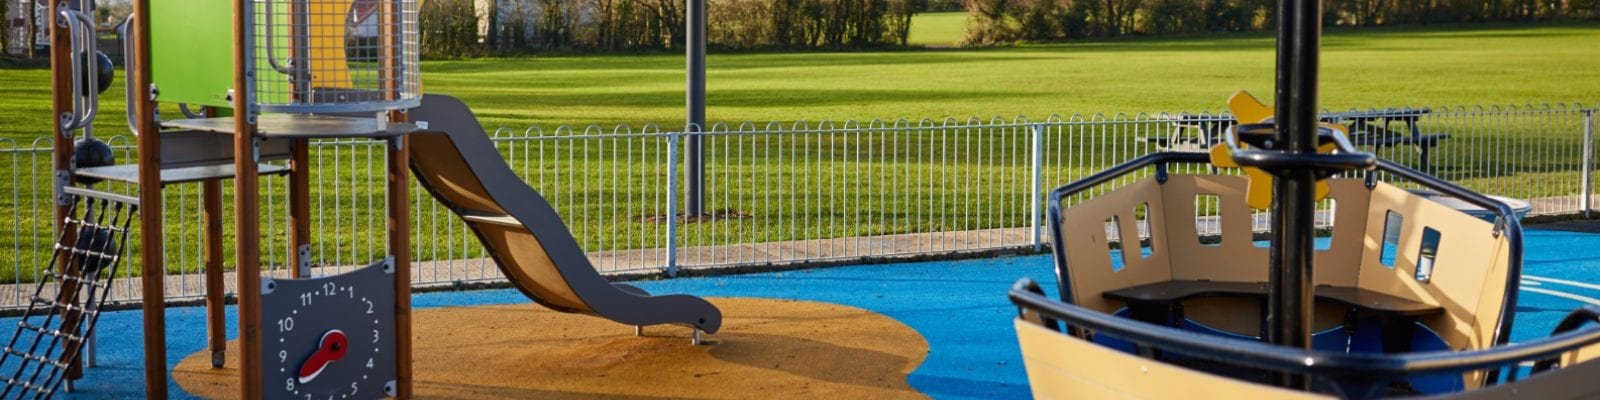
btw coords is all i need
(942, 29)
(1470, 64)
(605, 188)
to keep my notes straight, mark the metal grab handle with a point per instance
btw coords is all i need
(272, 53)
(1340, 141)
(85, 100)
(128, 65)
(1346, 157)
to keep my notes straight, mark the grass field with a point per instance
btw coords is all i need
(1454, 65)
(1469, 64)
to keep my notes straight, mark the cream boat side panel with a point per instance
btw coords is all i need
(1586, 354)
(1236, 258)
(1067, 368)
(1339, 265)
(1469, 270)
(1083, 230)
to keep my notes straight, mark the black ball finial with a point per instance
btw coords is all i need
(89, 153)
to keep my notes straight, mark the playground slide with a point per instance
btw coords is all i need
(455, 161)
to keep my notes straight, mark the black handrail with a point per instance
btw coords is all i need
(1574, 320)
(1333, 371)
(1346, 158)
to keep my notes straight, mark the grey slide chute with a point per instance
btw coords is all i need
(456, 162)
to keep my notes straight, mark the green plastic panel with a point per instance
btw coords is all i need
(191, 47)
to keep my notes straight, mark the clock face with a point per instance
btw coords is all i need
(329, 337)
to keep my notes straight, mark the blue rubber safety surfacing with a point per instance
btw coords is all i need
(959, 307)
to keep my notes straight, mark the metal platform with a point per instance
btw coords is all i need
(300, 126)
(130, 172)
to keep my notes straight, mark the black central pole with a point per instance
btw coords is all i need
(694, 164)
(1291, 296)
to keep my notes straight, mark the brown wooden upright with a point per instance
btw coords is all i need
(246, 207)
(61, 82)
(216, 303)
(400, 249)
(152, 260)
(399, 207)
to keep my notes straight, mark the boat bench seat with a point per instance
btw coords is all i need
(1160, 303)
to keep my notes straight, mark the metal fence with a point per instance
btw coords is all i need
(781, 193)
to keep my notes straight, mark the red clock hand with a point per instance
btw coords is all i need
(332, 348)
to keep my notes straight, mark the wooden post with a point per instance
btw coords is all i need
(216, 304)
(299, 207)
(299, 159)
(400, 248)
(398, 200)
(246, 207)
(152, 257)
(61, 87)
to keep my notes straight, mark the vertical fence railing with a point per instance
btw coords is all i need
(671, 217)
(1587, 208)
(1035, 201)
(792, 193)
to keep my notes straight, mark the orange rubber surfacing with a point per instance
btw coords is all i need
(766, 349)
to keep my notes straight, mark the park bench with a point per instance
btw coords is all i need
(1367, 128)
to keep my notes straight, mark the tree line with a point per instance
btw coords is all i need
(460, 27)
(1002, 21)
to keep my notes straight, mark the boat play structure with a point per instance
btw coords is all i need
(255, 81)
(1405, 297)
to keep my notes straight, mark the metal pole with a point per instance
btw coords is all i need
(696, 99)
(1038, 184)
(672, 205)
(1290, 301)
(92, 350)
(1588, 163)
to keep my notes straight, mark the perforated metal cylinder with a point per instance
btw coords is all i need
(335, 56)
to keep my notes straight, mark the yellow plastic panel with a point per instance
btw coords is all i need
(328, 18)
(1249, 110)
